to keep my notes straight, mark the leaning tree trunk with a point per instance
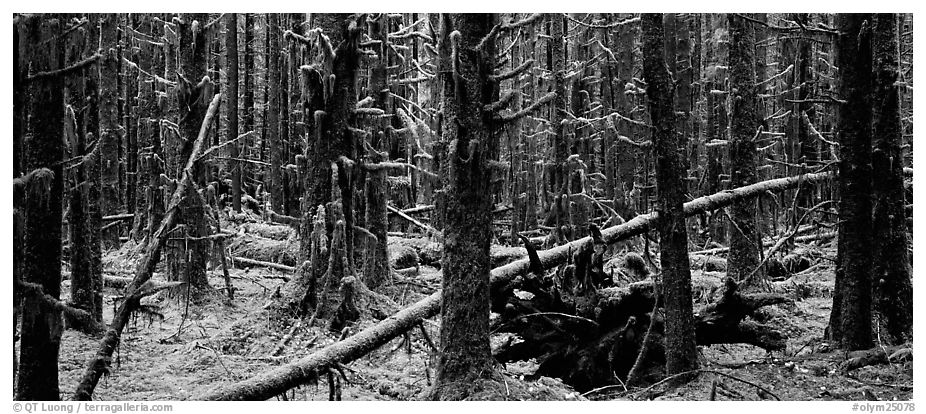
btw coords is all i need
(850, 319)
(41, 325)
(745, 242)
(464, 336)
(681, 354)
(893, 293)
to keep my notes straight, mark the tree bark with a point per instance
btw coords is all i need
(110, 124)
(745, 242)
(681, 352)
(187, 262)
(231, 113)
(41, 325)
(335, 139)
(273, 137)
(850, 319)
(893, 292)
(464, 337)
(376, 269)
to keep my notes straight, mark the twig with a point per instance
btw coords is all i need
(603, 26)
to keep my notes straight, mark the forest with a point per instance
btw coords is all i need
(485, 206)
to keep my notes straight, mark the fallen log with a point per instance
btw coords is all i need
(275, 381)
(284, 219)
(280, 379)
(271, 265)
(770, 243)
(116, 217)
(116, 281)
(140, 285)
(416, 210)
(431, 231)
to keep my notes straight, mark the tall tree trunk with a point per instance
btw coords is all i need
(681, 354)
(464, 336)
(376, 269)
(41, 325)
(560, 146)
(110, 124)
(850, 319)
(17, 198)
(85, 216)
(335, 139)
(273, 137)
(231, 113)
(187, 261)
(247, 101)
(893, 293)
(745, 242)
(128, 147)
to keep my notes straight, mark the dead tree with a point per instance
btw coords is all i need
(681, 353)
(850, 318)
(41, 325)
(893, 293)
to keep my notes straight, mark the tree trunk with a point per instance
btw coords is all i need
(850, 319)
(376, 269)
(745, 242)
(464, 336)
(335, 139)
(231, 113)
(85, 216)
(110, 124)
(559, 147)
(273, 137)
(681, 353)
(893, 293)
(247, 101)
(41, 325)
(187, 261)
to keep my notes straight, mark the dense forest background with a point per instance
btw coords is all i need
(532, 206)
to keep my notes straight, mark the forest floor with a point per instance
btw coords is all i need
(186, 351)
